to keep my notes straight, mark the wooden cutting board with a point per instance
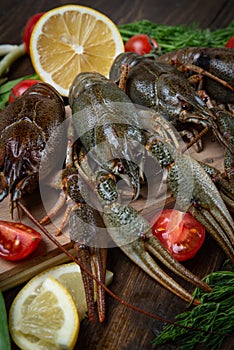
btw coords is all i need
(47, 254)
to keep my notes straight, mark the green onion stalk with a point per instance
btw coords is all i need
(11, 53)
(5, 343)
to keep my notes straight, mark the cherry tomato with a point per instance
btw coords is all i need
(17, 240)
(141, 44)
(230, 42)
(20, 88)
(29, 28)
(179, 232)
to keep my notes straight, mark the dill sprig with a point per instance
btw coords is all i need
(170, 38)
(215, 315)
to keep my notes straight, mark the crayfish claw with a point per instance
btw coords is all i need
(204, 201)
(83, 255)
(93, 260)
(227, 193)
(157, 249)
(132, 233)
(88, 235)
(99, 270)
(137, 252)
(215, 228)
(223, 182)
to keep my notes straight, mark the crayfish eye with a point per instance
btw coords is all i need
(205, 99)
(120, 168)
(185, 106)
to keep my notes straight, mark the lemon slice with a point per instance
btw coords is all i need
(47, 319)
(71, 39)
(68, 276)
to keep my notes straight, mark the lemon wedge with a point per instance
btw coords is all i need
(47, 319)
(71, 39)
(29, 302)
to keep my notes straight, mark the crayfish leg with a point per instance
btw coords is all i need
(58, 205)
(123, 77)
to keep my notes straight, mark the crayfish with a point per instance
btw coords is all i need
(193, 103)
(108, 142)
(26, 126)
(158, 84)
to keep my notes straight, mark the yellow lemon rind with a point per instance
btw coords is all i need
(59, 72)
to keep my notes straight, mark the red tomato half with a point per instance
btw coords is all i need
(179, 232)
(29, 28)
(20, 88)
(17, 240)
(230, 42)
(141, 44)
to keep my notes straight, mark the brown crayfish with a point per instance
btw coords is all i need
(26, 126)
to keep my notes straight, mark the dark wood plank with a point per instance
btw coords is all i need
(125, 329)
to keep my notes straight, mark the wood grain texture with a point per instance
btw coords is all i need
(124, 329)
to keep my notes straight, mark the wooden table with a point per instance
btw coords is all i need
(125, 329)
